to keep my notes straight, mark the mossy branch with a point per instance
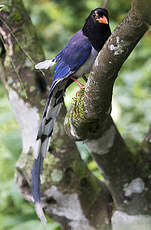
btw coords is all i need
(107, 147)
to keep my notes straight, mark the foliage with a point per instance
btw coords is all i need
(55, 22)
(132, 92)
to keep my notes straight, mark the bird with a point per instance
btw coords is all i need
(72, 62)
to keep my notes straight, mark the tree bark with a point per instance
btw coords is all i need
(71, 194)
(106, 3)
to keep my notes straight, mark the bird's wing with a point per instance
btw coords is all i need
(73, 55)
(69, 59)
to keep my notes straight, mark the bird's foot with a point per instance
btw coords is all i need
(78, 83)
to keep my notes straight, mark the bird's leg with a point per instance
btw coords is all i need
(84, 78)
(78, 83)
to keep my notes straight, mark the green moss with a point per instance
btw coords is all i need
(48, 167)
(8, 61)
(28, 40)
(95, 185)
(67, 121)
(78, 168)
(78, 110)
(9, 80)
(78, 107)
(58, 144)
(32, 88)
(50, 161)
(15, 16)
(23, 93)
(56, 175)
(43, 102)
(25, 162)
(16, 49)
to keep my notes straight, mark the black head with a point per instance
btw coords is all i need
(99, 15)
(96, 27)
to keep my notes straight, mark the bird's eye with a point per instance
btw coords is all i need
(100, 14)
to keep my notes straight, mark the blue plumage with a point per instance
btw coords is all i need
(72, 56)
(74, 60)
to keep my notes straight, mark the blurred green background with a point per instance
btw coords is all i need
(55, 22)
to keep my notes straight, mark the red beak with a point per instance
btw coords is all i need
(103, 19)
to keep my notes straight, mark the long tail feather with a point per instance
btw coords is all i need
(52, 109)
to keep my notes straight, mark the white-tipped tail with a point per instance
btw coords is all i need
(51, 110)
(40, 213)
(45, 64)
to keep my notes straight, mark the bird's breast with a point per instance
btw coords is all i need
(86, 67)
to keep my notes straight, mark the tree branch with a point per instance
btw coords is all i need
(106, 2)
(92, 121)
(98, 92)
(70, 193)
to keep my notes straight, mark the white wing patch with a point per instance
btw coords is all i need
(45, 64)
